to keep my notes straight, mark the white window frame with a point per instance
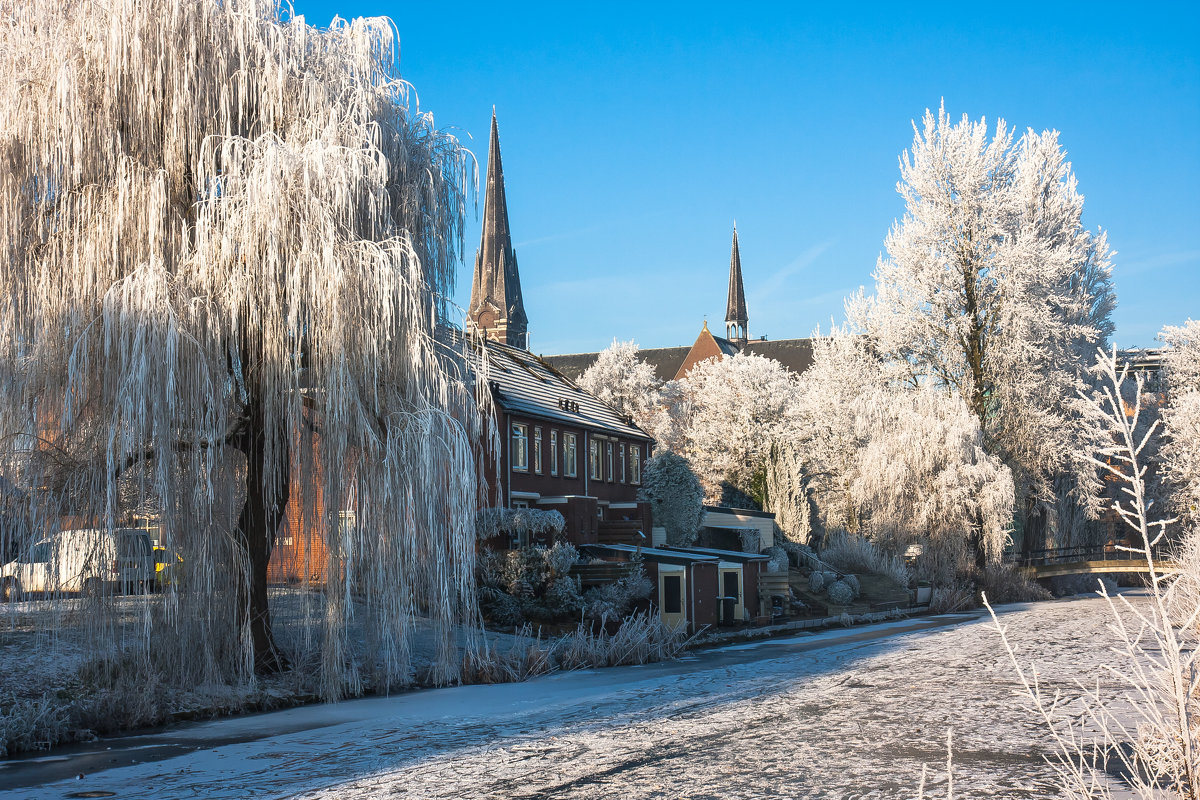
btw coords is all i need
(571, 455)
(595, 460)
(537, 449)
(553, 452)
(518, 447)
(622, 449)
(635, 463)
(608, 462)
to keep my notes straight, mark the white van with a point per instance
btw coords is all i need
(91, 561)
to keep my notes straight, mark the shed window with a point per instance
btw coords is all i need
(672, 591)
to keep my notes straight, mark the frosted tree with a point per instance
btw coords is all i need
(624, 381)
(823, 448)
(993, 288)
(923, 475)
(1141, 721)
(737, 407)
(1182, 417)
(227, 237)
(675, 495)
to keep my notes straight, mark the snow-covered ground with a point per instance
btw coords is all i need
(835, 715)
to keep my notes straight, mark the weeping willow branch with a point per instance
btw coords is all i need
(227, 238)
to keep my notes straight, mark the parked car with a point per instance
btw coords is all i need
(89, 561)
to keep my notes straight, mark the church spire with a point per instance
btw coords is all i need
(497, 310)
(736, 318)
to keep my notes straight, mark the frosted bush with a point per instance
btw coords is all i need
(559, 559)
(816, 582)
(675, 496)
(859, 554)
(779, 559)
(855, 586)
(840, 593)
(615, 600)
(563, 597)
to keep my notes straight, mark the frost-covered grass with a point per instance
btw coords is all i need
(52, 692)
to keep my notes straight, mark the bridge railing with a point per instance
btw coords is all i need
(1067, 555)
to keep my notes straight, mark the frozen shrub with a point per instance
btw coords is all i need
(500, 607)
(1004, 583)
(615, 600)
(830, 577)
(859, 554)
(855, 586)
(751, 540)
(795, 552)
(840, 593)
(816, 582)
(563, 597)
(675, 496)
(779, 559)
(490, 522)
(559, 559)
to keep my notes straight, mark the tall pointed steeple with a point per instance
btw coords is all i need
(736, 318)
(497, 310)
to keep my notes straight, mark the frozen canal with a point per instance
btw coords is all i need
(843, 714)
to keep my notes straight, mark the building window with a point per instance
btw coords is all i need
(553, 452)
(635, 464)
(537, 450)
(609, 461)
(570, 459)
(622, 465)
(596, 469)
(519, 452)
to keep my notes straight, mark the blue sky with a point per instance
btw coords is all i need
(634, 135)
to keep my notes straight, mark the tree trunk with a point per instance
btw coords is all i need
(266, 499)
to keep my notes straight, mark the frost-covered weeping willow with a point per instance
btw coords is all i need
(226, 235)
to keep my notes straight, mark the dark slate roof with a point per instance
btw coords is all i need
(735, 307)
(664, 360)
(524, 384)
(795, 354)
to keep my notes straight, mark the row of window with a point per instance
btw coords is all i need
(604, 455)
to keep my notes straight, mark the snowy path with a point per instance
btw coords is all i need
(843, 714)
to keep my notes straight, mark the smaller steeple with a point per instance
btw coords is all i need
(497, 309)
(737, 321)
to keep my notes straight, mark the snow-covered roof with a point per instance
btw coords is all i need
(522, 383)
(725, 555)
(652, 553)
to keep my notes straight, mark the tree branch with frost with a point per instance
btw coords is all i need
(1158, 675)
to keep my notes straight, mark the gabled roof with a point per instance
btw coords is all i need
(705, 347)
(794, 354)
(524, 384)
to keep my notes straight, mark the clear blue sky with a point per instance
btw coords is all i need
(634, 136)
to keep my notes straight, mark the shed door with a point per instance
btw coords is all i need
(672, 600)
(731, 586)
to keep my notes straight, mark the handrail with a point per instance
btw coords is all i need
(1065, 555)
